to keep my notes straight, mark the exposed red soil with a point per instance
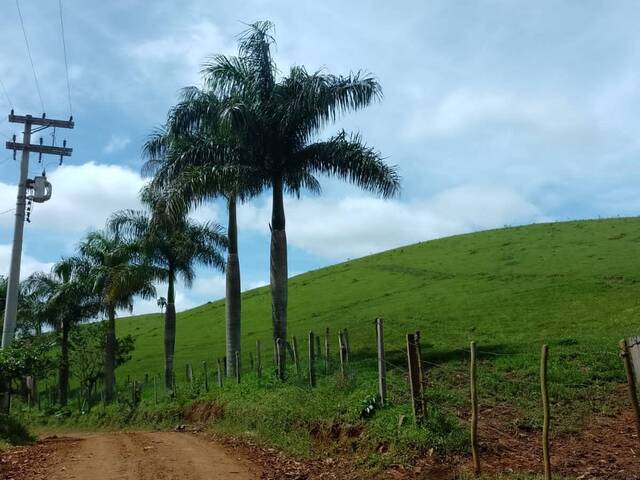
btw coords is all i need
(608, 448)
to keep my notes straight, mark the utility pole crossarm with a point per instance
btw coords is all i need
(39, 121)
(48, 149)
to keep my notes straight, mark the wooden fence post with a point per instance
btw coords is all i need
(219, 373)
(258, 359)
(382, 366)
(474, 412)
(312, 360)
(326, 352)
(545, 405)
(155, 390)
(296, 354)
(343, 355)
(237, 365)
(345, 334)
(421, 372)
(631, 382)
(190, 375)
(414, 376)
(206, 375)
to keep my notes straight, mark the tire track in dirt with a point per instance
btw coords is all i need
(137, 456)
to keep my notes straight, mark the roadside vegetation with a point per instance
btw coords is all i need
(571, 285)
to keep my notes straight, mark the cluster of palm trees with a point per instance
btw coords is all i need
(247, 131)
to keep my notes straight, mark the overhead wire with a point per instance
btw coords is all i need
(66, 63)
(6, 94)
(33, 68)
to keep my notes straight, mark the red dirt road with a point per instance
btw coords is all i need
(129, 456)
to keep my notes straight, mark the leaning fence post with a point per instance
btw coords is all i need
(219, 373)
(545, 405)
(414, 380)
(237, 365)
(312, 360)
(206, 375)
(326, 351)
(631, 382)
(155, 389)
(343, 355)
(382, 366)
(474, 412)
(258, 359)
(296, 355)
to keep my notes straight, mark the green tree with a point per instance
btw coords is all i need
(87, 356)
(61, 299)
(173, 246)
(117, 274)
(274, 123)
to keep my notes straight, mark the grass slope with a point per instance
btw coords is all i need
(509, 289)
(573, 285)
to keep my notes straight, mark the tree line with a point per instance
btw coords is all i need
(248, 130)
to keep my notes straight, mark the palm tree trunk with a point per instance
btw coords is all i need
(279, 273)
(110, 356)
(63, 369)
(169, 332)
(233, 298)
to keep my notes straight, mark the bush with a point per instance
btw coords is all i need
(13, 432)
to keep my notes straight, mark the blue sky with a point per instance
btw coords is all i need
(496, 113)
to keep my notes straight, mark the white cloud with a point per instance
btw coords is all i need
(116, 143)
(467, 108)
(28, 266)
(179, 54)
(83, 197)
(356, 226)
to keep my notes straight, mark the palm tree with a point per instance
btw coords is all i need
(190, 161)
(162, 303)
(117, 275)
(173, 246)
(61, 299)
(274, 124)
(3, 294)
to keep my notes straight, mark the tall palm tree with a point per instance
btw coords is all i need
(191, 162)
(275, 123)
(3, 294)
(117, 275)
(61, 299)
(173, 246)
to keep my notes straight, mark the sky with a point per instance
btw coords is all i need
(495, 112)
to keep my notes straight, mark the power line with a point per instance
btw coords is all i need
(66, 63)
(6, 94)
(26, 41)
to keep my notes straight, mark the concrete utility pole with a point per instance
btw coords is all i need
(11, 304)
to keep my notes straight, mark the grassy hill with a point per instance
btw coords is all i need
(509, 289)
(573, 285)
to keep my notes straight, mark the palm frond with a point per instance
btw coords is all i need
(350, 159)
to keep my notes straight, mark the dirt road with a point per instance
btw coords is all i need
(132, 456)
